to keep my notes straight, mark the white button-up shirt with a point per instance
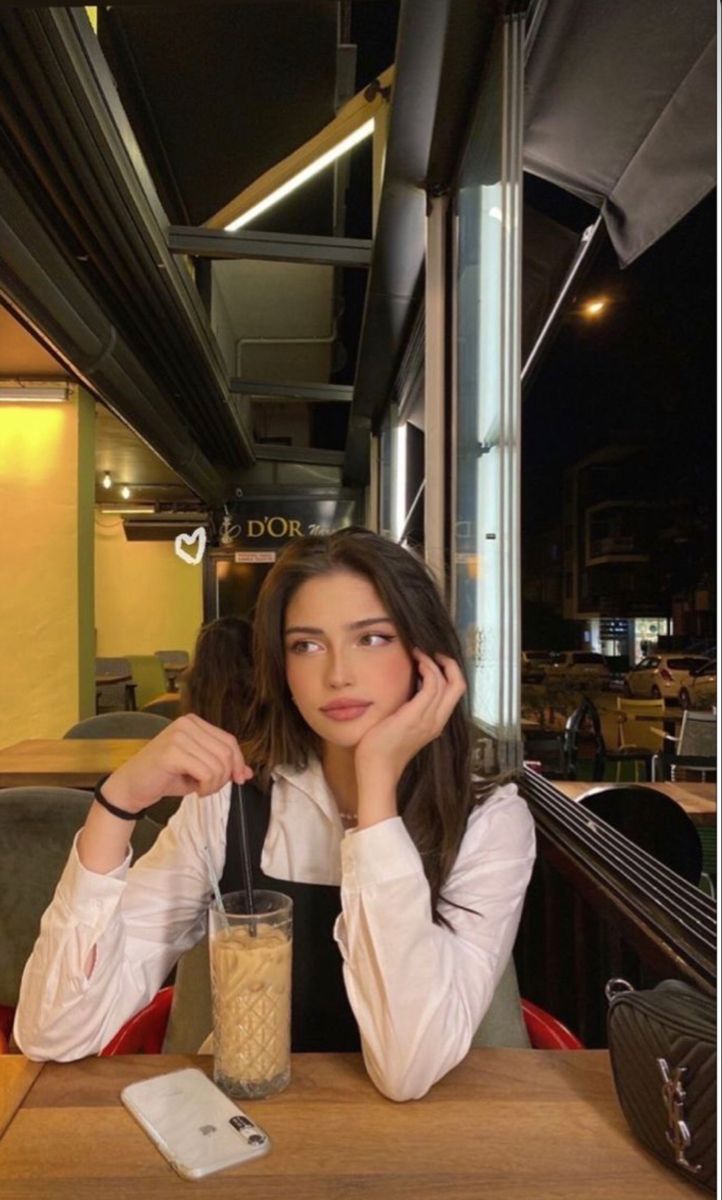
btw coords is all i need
(418, 990)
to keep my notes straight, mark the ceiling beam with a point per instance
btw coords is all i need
(398, 256)
(38, 283)
(71, 153)
(312, 393)
(270, 247)
(298, 454)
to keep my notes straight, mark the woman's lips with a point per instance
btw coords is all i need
(349, 712)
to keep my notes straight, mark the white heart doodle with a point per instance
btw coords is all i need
(199, 536)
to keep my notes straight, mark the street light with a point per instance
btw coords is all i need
(593, 308)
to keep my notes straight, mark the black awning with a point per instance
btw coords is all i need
(620, 110)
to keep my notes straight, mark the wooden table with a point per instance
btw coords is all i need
(699, 800)
(61, 762)
(506, 1124)
(165, 698)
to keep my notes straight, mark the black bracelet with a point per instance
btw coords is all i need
(117, 812)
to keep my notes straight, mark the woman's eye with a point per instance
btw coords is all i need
(303, 647)
(376, 639)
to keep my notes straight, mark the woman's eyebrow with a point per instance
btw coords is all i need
(351, 625)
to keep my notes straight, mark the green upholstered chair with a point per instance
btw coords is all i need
(37, 827)
(119, 725)
(111, 697)
(149, 676)
(503, 1023)
(191, 1015)
(174, 664)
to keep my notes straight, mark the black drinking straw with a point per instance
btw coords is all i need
(237, 791)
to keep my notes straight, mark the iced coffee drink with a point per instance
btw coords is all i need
(250, 960)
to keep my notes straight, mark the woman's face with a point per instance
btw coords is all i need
(345, 664)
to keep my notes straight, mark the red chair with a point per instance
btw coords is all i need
(7, 1016)
(546, 1032)
(143, 1033)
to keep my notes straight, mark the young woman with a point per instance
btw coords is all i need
(407, 875)
(218, 685)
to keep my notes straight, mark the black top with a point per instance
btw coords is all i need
(321, 1016)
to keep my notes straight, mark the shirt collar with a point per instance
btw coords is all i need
(312, 782)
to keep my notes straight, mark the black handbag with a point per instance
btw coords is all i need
(662, 1044)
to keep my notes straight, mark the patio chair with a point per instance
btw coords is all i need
(586, 718)
(695, 750)
(557, 750)
(544, 752)
(653, 822)
(635, 733)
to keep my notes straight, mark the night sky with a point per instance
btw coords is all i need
(645, 369)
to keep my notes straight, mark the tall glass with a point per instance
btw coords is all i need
(250, 960)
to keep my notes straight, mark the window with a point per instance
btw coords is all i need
(485, 552)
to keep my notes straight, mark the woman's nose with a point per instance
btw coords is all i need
(339, 671)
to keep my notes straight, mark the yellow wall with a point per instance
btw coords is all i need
(146, 598)
(39, 567)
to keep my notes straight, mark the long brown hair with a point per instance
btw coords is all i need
(218, 684)
(436, 792)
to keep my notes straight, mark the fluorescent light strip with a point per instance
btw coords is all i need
(142, 508)
(303, 176)
(36, 393)
(399, 492)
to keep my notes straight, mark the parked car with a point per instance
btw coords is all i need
(701, 691)
(662, 675)
(534, 665)
(580, 667)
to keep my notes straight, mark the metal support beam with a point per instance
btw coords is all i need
(311, 393)
(398, 258)
(271, 247)
(435, 390)
(298, 454)
(427, 126)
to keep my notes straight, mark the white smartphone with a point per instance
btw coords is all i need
(193, 1124)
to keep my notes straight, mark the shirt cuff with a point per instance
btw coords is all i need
(80, 888)
(377, 855)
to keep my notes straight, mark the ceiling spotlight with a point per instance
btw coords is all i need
(107, 481)
(125, 492)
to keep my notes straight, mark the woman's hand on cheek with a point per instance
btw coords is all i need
(387, 748)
